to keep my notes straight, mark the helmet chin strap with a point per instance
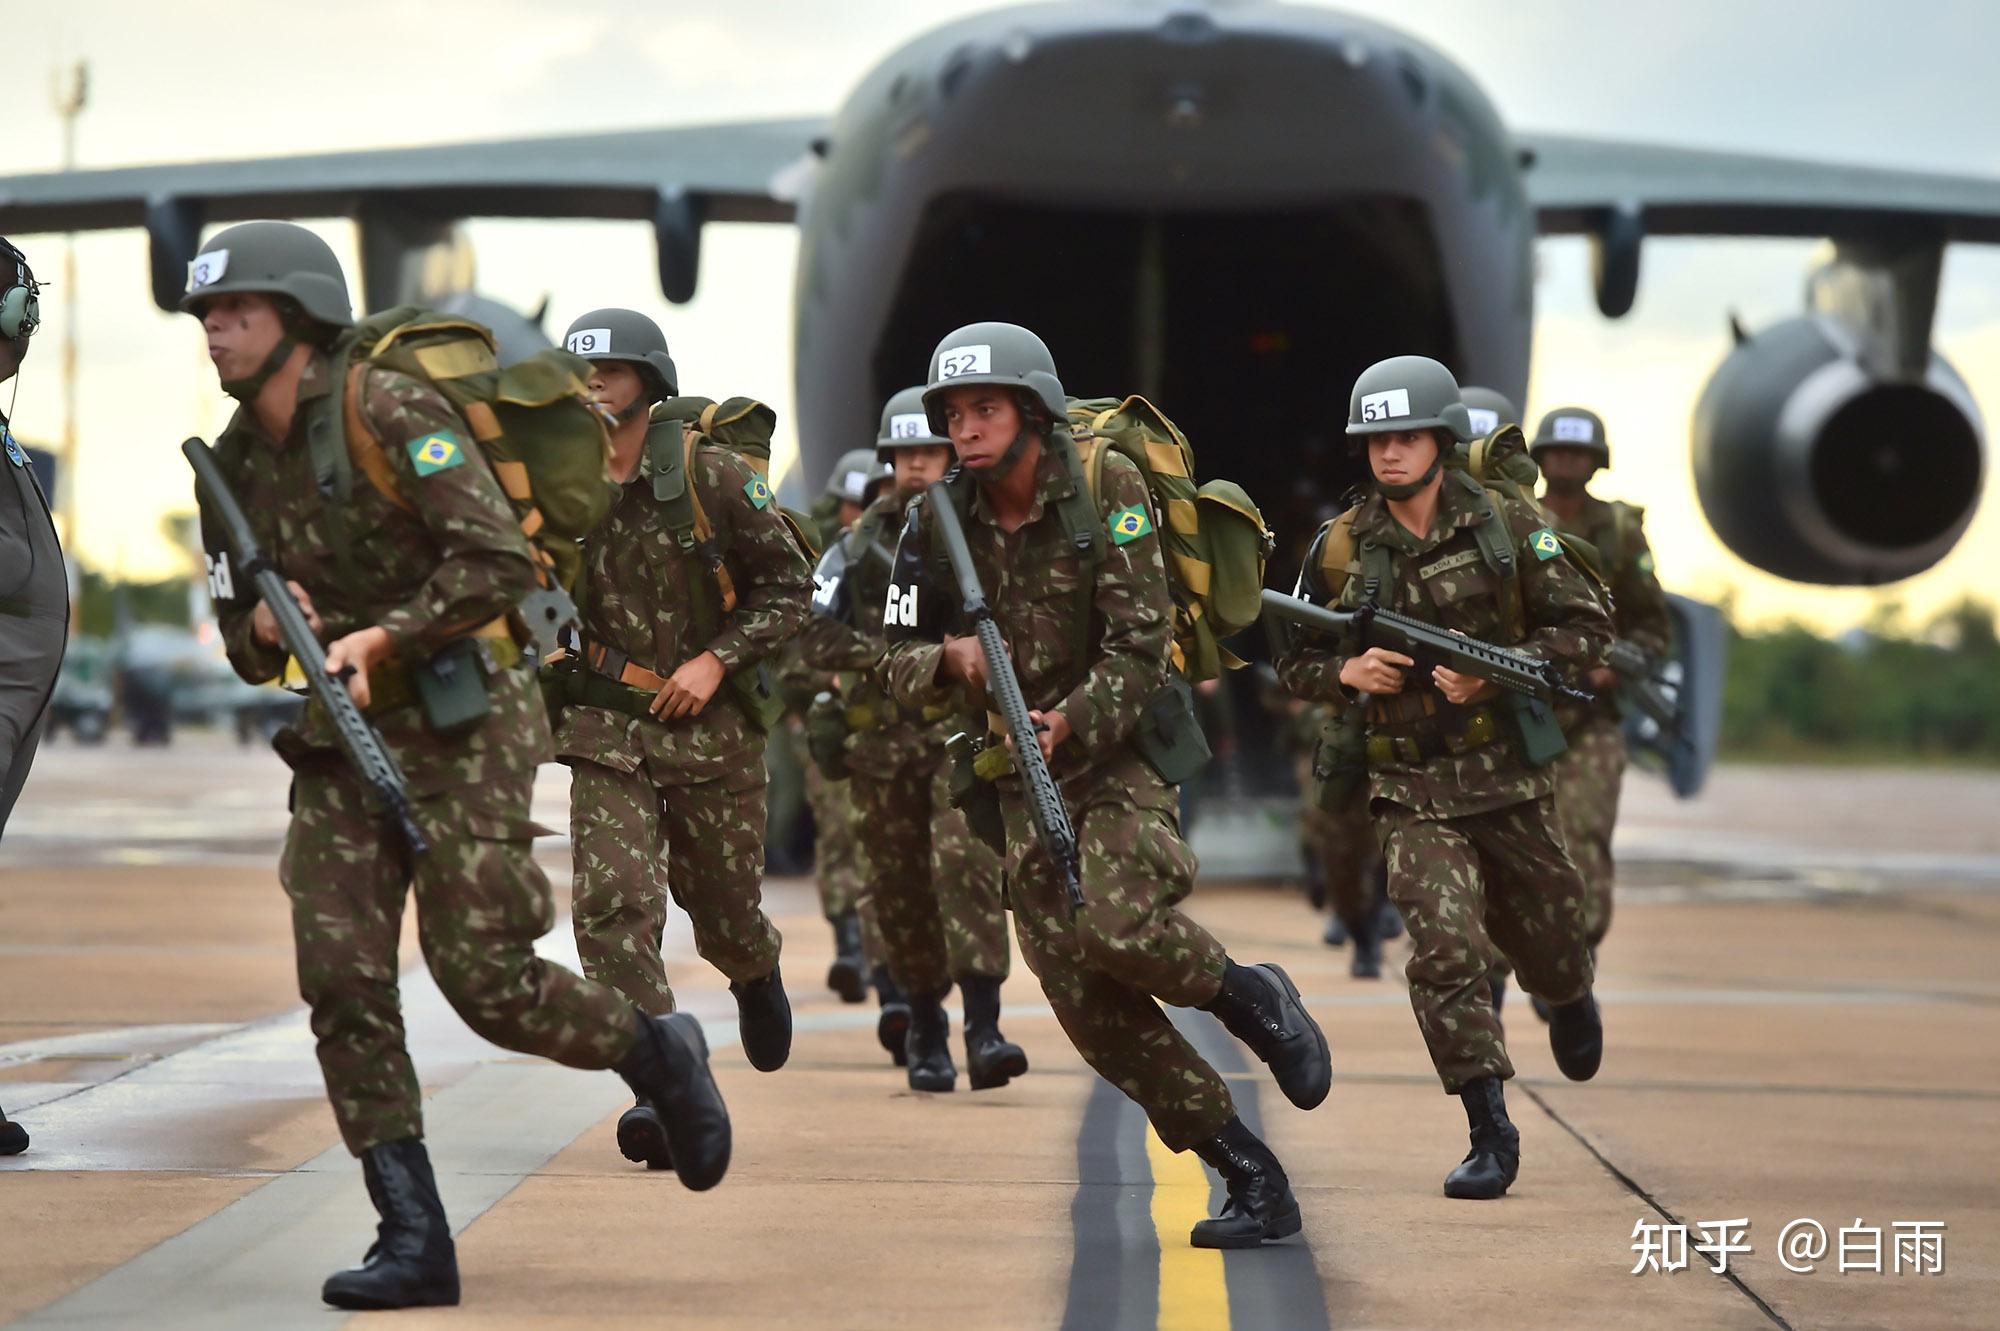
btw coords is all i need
(1410, 489)
(253, 383)
(1016, 450)
(1566, 486)
(634, 409)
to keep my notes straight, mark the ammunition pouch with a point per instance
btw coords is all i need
(452, 686)
(826, 735)
(758, 695)
(1340, 761)
(1536, 734)
(1170, 736)
(973, 793)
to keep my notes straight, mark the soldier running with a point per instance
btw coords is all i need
(1469, 829)
(1079, 591)
(935, 886)
(391, 583)
(667, 765)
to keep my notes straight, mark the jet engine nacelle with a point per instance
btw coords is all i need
(1813, 467)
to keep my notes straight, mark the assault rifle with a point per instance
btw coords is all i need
(1429, 646)
(1045, 801)
(364, 747)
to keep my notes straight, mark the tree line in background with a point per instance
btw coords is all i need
(1887, 691)
(1884, 692)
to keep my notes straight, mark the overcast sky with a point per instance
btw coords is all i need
(1908, 85)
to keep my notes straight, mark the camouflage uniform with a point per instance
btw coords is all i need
(1341, 841)
(684, 795)
(430, 574)
(1589, 775)
(1470, 833)
(1103, 970)
(934, 886)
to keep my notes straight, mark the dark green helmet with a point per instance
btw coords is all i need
(272, 259)
(905, 424)
(1407, 393)
(994, 353)
(629, 336)
(1487, 410)
(1572, 427)
(856, 475)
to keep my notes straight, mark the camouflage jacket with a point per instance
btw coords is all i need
(1443, 579)
(883, 736)
(1034, 580)
(636, 598)
(1638, 605)
(452, 562)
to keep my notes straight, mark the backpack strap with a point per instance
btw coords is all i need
(1336, 556)
(364, 447)
(333, 468)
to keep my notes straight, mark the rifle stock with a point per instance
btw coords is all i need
(1045, 801)
(358, 739)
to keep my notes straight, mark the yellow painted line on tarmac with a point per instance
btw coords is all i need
(1194, 1293)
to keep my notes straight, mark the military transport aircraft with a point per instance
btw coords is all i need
(1232, 207)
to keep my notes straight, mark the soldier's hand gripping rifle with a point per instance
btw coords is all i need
(1429, 646)
(1045, 801)
(372, 760)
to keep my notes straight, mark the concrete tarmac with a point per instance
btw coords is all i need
(1802, 1016)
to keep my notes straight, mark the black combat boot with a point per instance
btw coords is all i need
(1366, 963)
(412, 1263)
(1336, 931)
(13, 1137)
(642, 1137)
(764, 1016)
(892, 1025)
(1489, 1168)
(848, 975)
(928, 1048)
(1496, 990)
(1388, 920)
(1260, 1006)
(667, 1068)
(1260, 1206)
(990, 1059)
(1576, 1038)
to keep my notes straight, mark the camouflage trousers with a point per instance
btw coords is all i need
(1106, 971)
(1344, 844)
(1588, 778)
(482, 901)
(706, 838)
(836, 857)
(1469, 886)
(934, 886)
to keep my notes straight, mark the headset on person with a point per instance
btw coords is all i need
(20, 298)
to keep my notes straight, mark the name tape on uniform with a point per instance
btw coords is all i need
(589, 341)
(1386, 405)
(1572, 430)
(1484, 420)
(910, 424)
(957, 361)
(207, 269)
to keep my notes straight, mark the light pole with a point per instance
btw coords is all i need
(70, 89)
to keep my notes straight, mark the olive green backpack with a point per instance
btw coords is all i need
(743, 426)
(1213, 535)
(533, 420)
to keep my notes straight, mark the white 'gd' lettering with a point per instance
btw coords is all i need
(901, 610)
(221, 583)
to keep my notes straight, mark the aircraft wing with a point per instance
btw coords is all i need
(676, 178)
(1576, 183)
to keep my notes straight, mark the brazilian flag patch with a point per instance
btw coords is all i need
(1129, 524)
(1545, 543)
(439, 451)
(1645, 561)
(759, 491)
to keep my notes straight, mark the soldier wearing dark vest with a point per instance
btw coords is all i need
(1467, 825)
(1570, 447)
(34, 589)
(393, 579)
(935, 886)
(1078, 588)
(691, 578)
